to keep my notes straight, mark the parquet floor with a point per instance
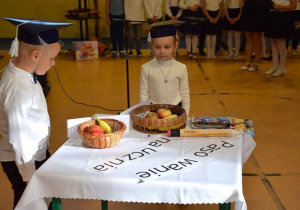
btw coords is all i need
(271, 177)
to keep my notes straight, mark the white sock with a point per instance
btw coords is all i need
(194, 43)
(188, 42)
(229, 42)
(207, 40)
(282, 51)
(237, 39)
(213, 44)
(275, 53)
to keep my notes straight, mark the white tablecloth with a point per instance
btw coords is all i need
(66, 175)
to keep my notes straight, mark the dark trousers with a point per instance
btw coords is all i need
(11, 170)
(117, 32)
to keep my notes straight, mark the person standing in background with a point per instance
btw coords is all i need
(278, 28)
(233, 13)
(191, 9)
(252, 23)
(134, 11)
(212, 10)
(153, 9)
(114, 9)
(173, 12)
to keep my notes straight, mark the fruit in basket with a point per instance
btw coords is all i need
(104, 125)
(171, 116)
(96, 132)
(152, 115)
(162, 112)
(93, 128)
(171, 127)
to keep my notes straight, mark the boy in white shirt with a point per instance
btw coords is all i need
(24, 118)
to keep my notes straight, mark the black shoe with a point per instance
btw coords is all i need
(224, 46)
(139, 54)
(130, 54)
(201, 52)
(268, 58)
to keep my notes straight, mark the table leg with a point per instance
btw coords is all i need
(224, 206)
(56, 204)
(104, 205)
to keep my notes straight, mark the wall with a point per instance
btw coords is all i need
(49, 10)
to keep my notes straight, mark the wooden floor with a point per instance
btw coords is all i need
(218, 88)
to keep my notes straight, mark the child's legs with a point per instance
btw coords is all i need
(113, 33)
(208, 41)
(237, 41)
(120, 33)
(257, 37)
(194, 42)
(138, 33)
(188, 42)
(213, 44)
(15, 179)
(282, 52)
(263, 47)
(130, 37)
(275, 53)
(229, 42)
(249, 45)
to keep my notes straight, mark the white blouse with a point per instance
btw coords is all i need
(153, 8)
(213, 5)
(153, 87)
(24, 120)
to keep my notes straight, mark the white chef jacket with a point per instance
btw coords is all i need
(24, 120)
(153, 87)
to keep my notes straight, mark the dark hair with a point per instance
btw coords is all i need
(43, 80)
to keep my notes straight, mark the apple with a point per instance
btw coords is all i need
(96, 132)
(95, 128)
(162, 112)
(152, 115)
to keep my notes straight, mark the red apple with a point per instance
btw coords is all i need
(95, 128)
(96, 132)
(152, 115)
(162, 112)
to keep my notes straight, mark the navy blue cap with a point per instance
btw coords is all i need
(163, 29)
(37, 32)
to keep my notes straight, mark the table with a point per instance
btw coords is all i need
(218, 179)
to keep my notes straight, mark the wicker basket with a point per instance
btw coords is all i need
(151, 125)
(104, 140)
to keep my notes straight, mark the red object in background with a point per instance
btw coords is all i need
(93, 39)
